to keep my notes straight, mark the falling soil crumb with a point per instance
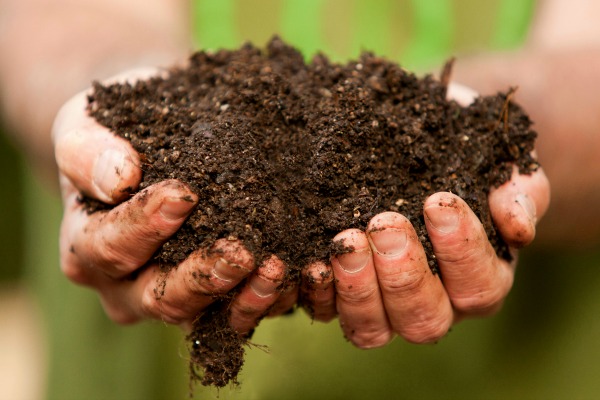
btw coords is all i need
(283, 155)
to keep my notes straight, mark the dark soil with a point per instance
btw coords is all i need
(283, 155)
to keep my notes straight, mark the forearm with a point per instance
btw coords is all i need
(53, 49)
(558, 88)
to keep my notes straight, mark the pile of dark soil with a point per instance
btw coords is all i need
(283, 155)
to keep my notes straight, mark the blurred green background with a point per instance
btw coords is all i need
(542, 345)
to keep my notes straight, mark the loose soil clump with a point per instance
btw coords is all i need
(285, 154)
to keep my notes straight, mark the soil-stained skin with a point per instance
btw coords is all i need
(285, 154)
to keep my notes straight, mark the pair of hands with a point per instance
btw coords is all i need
(381, 289)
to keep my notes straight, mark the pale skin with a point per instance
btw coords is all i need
(556, 72)
(382, 289)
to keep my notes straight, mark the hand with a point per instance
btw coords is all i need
(384, 287)
(110, 250)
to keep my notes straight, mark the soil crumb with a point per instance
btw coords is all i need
(284, 154)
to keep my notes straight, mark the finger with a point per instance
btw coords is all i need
(318, 292)
(474, 277)
(119, 241)
(99, 163)
(463, 95)
(261, 291)
(359, 304)
(517, 205)
(285, 302)
(416, 303)
(182, 293)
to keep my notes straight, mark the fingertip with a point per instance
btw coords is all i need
(115, 175)
(165, 204)
(387, 219)
(98, 163)
(443, 212)
(534, 186)
(463, 95)
(177, 200)
(349, 238)
(518, 205)
(522, 222)
(231, 262)
(318, 293)
(318, 275)
(442, 198)
(371, 339)
(388, 234)
(269, 277)
(260, 293)
(541, 193)
(351, 251)
(235, 253)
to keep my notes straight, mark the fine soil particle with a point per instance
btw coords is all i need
(283, 155)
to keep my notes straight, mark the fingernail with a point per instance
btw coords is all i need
(262, 287)
(107, 172)
(443, 218)
(223, 270)
(528, 206)
(355, 261)
(175, 208)
(388, 242)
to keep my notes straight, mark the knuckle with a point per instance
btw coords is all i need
(324, 316)
(272, 269)
(115, 310)
(279, 309)
(323, 312)
(425, 332)
(201, 284)
(484, 296)
(154, 306)
(317, 276)
(319, 304)
(106, 255)
(286, 301)
(248, 311)
(150, 304)
(371, 339)
(119, 316)
(407, 282)
(479, 302)
(467, 252)
(357, 295)
(244, 317)
(521, 233)
(324, 300)
(74, 272)
(234, 252)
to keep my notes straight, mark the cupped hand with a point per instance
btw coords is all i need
(110, 250)
(384, 286)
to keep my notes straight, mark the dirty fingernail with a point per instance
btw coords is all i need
(355, 261)
(224, 270)
(175, 208)
(262, 287)
(443, 218)
(528, 206)
(388, 242)
(108, 169)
